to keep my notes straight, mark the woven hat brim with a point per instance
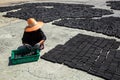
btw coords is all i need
(34, 28)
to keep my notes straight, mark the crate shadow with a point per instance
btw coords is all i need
(9, 63)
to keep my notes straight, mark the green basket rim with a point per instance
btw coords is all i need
(13, 55)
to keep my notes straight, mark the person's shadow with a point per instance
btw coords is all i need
(9, 63)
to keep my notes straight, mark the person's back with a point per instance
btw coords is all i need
(33, 37)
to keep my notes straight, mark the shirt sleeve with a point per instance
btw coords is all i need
(24, 40)
(43, 35)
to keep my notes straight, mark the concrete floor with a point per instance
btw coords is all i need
(10, 39)
(42, 70)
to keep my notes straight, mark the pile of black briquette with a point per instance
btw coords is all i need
(24, 54)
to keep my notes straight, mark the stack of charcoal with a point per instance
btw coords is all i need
(114, 4)
(48, 12)
(20, 55)
(108, 25)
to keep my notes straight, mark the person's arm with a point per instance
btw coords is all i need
(42, 41)
(24, 39)
(43, 37)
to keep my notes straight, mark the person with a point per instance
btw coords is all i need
(33, 36)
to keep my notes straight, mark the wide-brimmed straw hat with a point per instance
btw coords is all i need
(33, 25)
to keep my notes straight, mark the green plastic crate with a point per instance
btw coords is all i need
(23, 59)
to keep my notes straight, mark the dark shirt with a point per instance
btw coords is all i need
(33, 37)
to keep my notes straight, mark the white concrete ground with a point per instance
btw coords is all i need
(10, 38)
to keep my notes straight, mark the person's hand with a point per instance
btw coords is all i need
(41, 46)
(37, 46)
(28, 46)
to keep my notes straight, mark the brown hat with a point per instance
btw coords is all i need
(33, 25)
